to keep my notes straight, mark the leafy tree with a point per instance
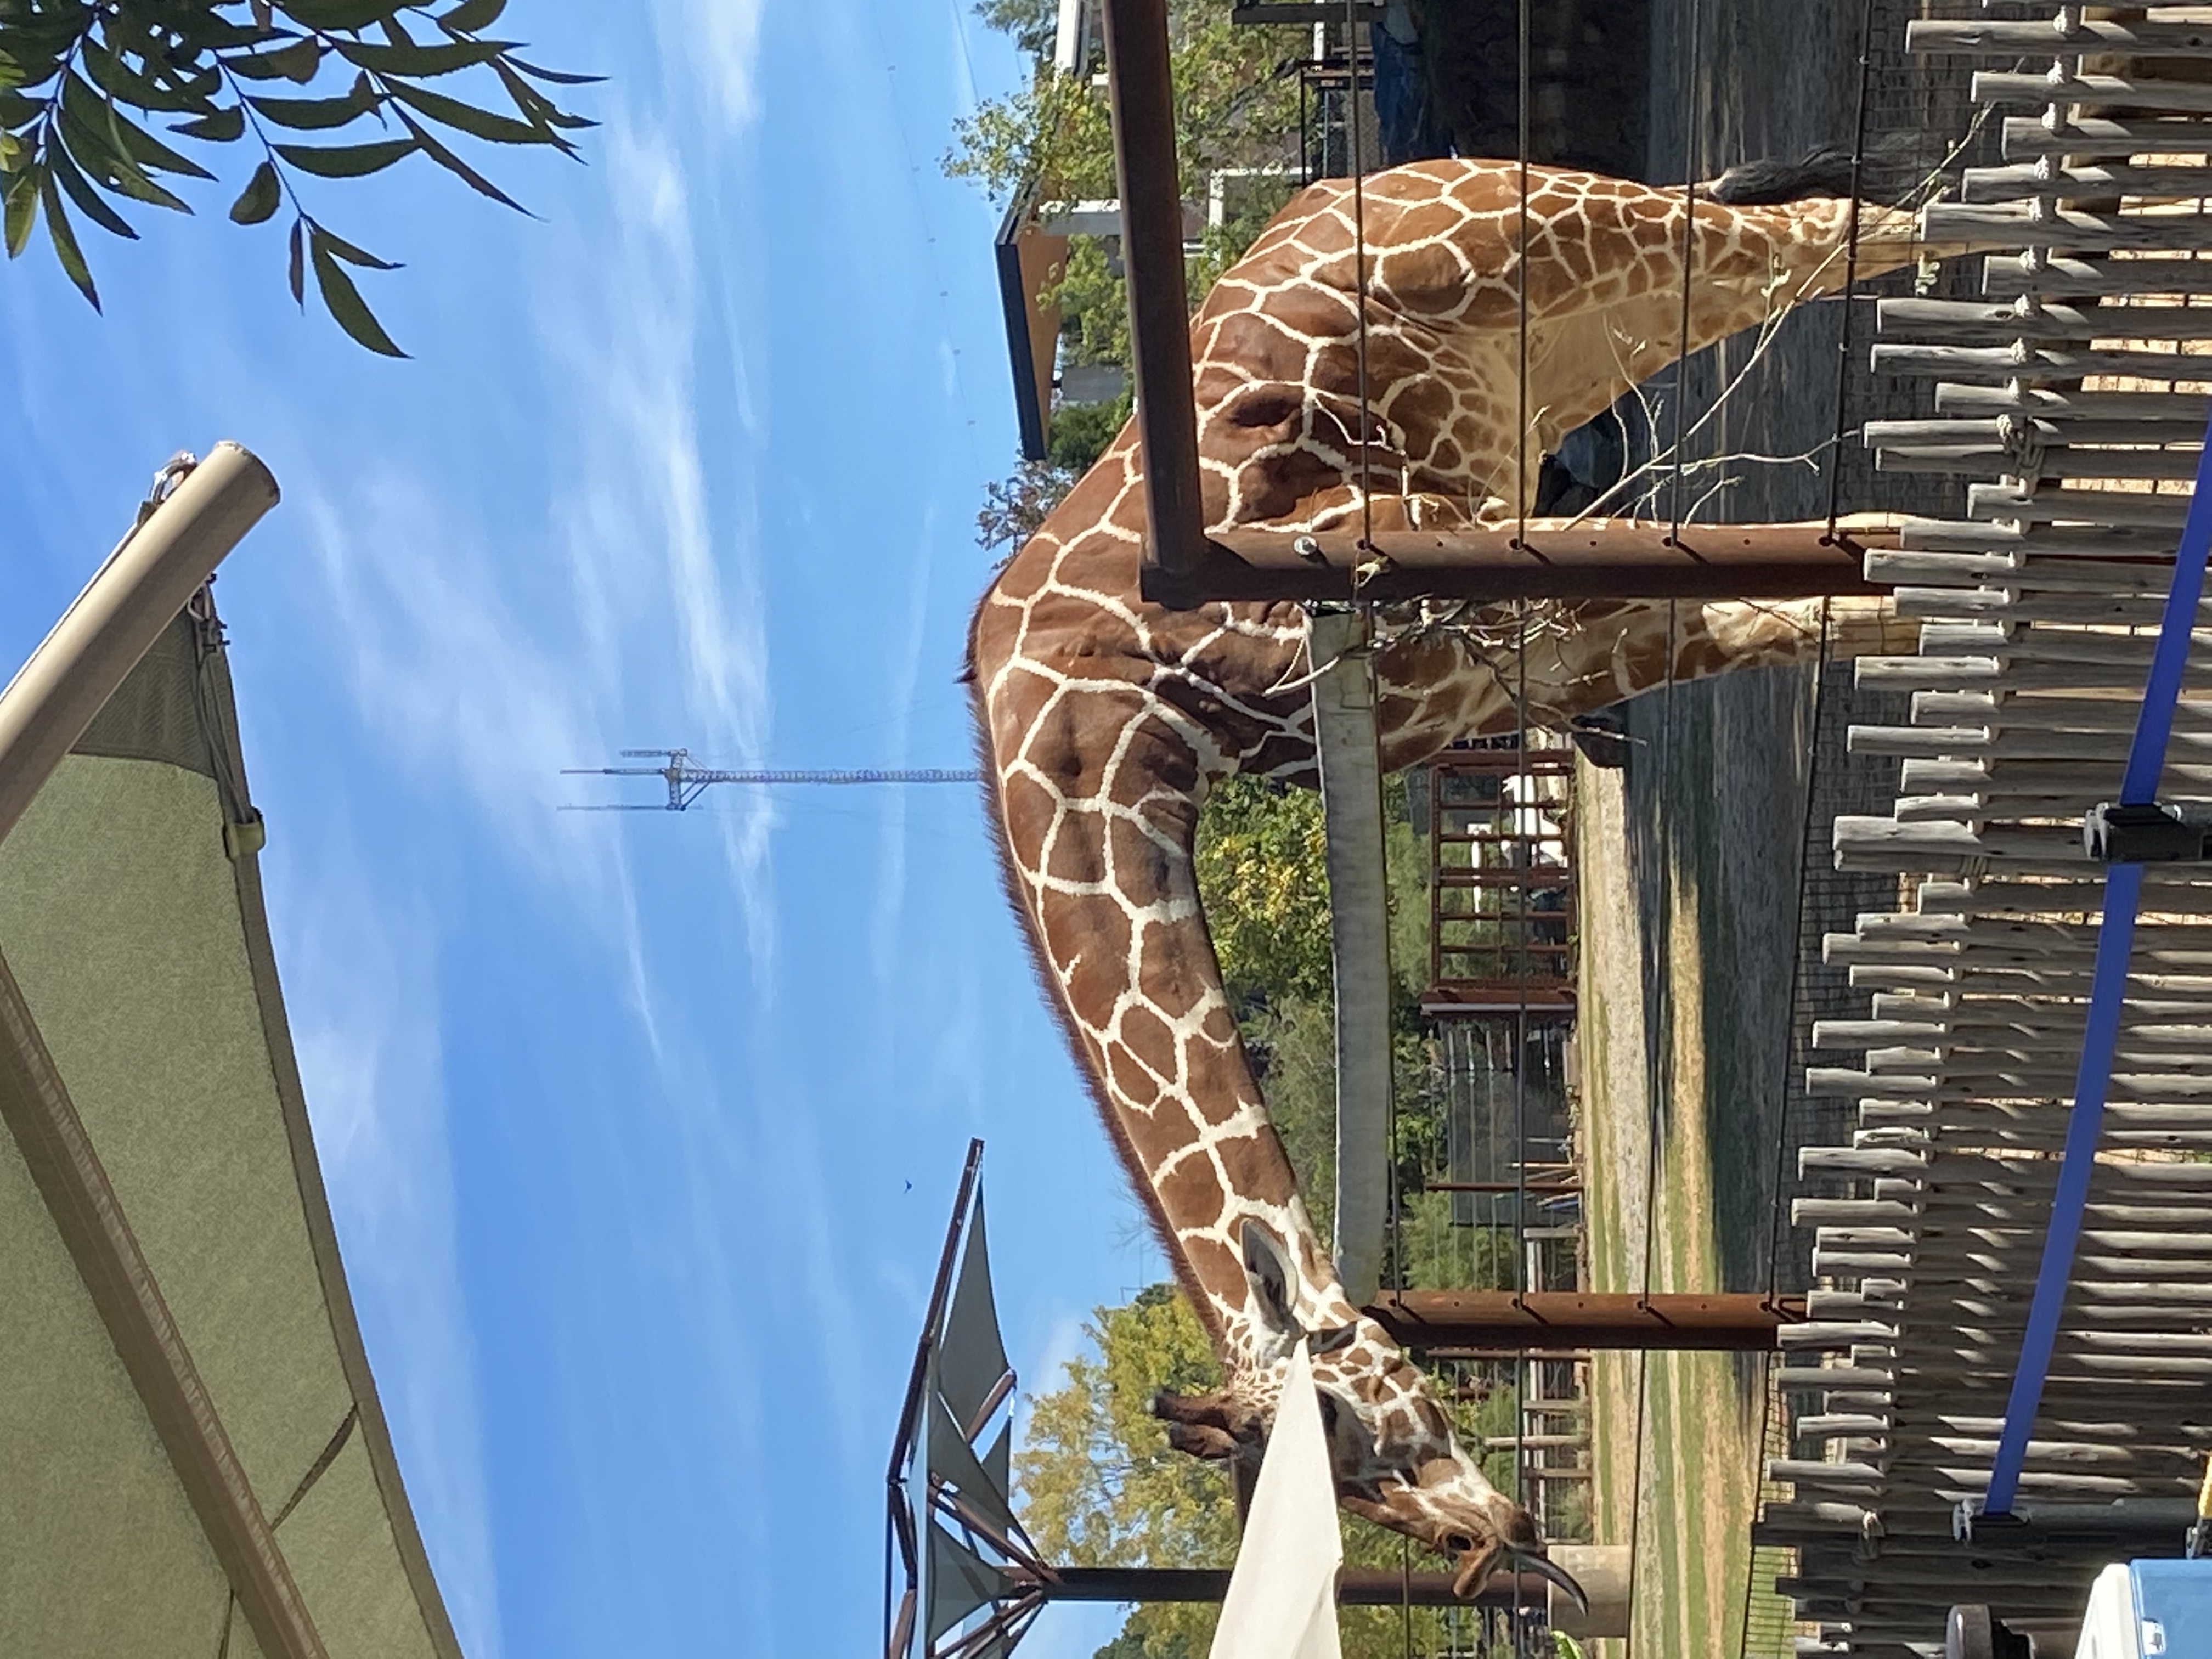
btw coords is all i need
(1262, 858)
(1236, 105)
(253, 74)
(1013, 507)
(1081, 433)
(1034, 24)
(1100, 1487)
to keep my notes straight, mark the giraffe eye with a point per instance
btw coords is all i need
(1458, 1542)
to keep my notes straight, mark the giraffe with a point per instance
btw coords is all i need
(1104, 719)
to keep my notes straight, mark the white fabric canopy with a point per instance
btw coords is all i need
(1282, 1596)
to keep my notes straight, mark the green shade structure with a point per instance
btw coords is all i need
(192, 1455)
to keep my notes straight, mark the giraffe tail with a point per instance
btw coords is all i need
(1889, 170)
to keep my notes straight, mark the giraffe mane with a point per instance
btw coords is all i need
(1048, 986)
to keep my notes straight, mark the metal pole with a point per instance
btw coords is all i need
(1142, 91)
(1727, 1322)
(1601, 1570)
(1608, 558)
(1356, 1587)
(1359, 942)
(121, 612)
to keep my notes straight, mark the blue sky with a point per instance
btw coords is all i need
(619, 1111)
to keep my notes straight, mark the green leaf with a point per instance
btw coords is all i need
(353, 256)
(346, 305)
(536, 106)
(478, 123)
(299, 61)
(338, 13)
(471, 15)
(205, 29)
(23, 209)
(461, 169)
(98, 151)
(226, 124)
(261, 65)
(299, 261)
(129, 139)
(310, 114)
(257, 201)
(64, 240)
(418, 61)
(117, 78)
(86, 196)
(17, 107)
(557, 76)
(346, 160)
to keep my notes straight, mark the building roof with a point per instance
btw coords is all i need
(192, 1455)
(1030, 263)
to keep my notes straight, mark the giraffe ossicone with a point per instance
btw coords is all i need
(1105, 719)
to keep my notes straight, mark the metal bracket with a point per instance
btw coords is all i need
(2148, 832)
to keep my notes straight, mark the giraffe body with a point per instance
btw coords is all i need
(1105, 719)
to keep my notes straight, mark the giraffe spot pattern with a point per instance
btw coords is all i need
(1107, 718)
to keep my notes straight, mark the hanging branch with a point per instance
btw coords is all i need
(70, 69)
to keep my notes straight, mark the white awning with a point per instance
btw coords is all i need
(1282, 1595)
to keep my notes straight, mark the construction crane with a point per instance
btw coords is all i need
(687, 782)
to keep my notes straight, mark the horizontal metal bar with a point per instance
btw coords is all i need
(1596, 558)
(1359, 1586)
(1724, 1320)
(130, 598)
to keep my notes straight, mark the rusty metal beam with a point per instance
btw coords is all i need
(1183, 568)
(1356, 1587)
(1741, 1322)
(1142, 94)
(1556, 559)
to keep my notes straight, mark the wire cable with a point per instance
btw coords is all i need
(1662, 1086)
(1850, 265)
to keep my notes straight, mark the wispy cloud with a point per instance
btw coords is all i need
(720, 42)
(375, 1088)
(650, 566)
(469, 698)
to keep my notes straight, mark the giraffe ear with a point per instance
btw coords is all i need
(1267, 1272)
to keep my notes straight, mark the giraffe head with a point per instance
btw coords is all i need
(1393, 1452)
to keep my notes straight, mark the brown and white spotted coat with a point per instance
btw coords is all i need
(1105, 719)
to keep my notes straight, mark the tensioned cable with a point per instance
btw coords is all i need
(1850, 265)
(1364, 436)
(1521, 1275)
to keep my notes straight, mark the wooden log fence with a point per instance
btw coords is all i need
(2071, 402)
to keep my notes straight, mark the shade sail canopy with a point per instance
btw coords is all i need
(192, 1457)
